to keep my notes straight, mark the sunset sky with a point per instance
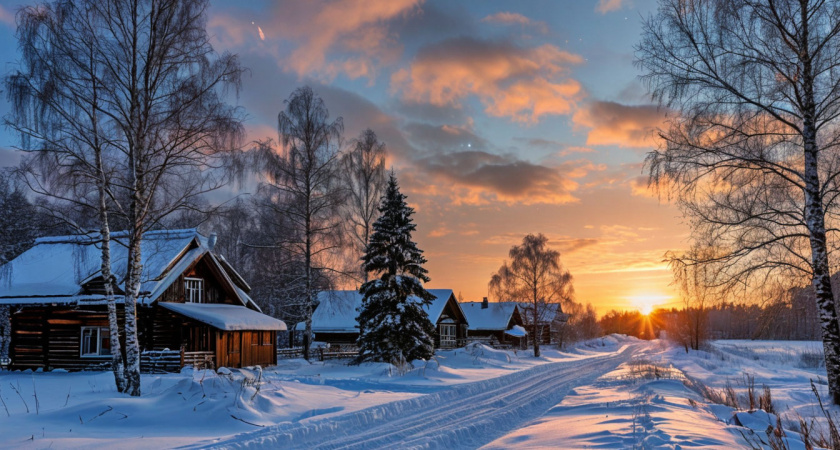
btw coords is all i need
(500, 118)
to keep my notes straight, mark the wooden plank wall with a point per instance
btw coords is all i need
(213, 290)
(50, 337)
(246, 348)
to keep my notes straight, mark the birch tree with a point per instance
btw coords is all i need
(151, 90)
(56, 108)
(364, 172)
(303, 181)
(535, 278)
(750, 152)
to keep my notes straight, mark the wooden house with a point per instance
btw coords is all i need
(550, 320)
(334, 320)
(497, 323)
(191, 300)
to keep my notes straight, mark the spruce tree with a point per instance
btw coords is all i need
(392, 322)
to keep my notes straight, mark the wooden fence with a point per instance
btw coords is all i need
(168, 361)
(322, 354)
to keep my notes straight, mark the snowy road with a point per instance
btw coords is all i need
(466, 416)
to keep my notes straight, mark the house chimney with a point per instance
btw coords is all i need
(211, 241)
(484, 304)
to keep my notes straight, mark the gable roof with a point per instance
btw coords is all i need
(55, 269)
(337, 310)
(496, 316)
(226, 317)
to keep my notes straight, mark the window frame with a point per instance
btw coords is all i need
(188, 290)
(447, 339)
(101, 333)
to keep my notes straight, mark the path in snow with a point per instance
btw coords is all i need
(470, 415)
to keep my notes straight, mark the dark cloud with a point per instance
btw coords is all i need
(486, 176)
(436, 114)
(572, 245)
(444, 138)
(540, 143)
(431, 22)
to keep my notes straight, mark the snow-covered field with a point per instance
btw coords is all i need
(614, 392)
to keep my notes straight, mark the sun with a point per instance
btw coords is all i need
(647, 302)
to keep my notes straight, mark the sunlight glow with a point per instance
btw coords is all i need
(647, 302)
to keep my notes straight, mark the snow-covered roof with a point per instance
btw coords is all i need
(226, 317)
(517, 331)
(496, 316)
(56, 267)
(337, 310)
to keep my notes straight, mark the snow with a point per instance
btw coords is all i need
(612, 392)
(55, 268)
(517, 331)
(496, 316)
(337, 310)
(226, 317)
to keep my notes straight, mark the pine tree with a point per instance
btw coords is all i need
(393, 326)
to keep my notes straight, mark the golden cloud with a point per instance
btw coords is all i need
(622, 125)
(521, 83)
(509, 18)
(605, 6)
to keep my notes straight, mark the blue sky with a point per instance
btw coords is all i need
(501, 119)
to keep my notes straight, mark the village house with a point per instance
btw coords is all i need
(550, 321)
(497, 323)
(334, 320)
(191, 300)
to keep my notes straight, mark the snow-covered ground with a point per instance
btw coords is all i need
(614, 392)
(83, 410)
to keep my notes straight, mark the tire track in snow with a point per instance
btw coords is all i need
(465, 416)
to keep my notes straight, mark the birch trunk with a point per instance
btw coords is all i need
(536, 330)
(5, 330)
(117, 364)
(132, 291)
(821, 280)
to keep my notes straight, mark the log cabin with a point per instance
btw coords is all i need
(334, 319)
(497, 323)
(550, 320)
(191, 300)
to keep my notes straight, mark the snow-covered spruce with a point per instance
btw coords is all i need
(393, 326)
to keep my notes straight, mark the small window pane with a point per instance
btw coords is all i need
(89, 341)
(193, 290)
(104, 342)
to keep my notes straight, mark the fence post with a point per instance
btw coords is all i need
(182, 355)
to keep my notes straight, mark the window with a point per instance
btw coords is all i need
(193, 289)
(447, 335)
(96, 341)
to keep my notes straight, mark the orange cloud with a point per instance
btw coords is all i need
(605, 6)
(7, 17)
(616, 124)
(521, 83)
(509, 18)
(329, 38)
(357, 26)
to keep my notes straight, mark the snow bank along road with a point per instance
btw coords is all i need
(466, 416)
